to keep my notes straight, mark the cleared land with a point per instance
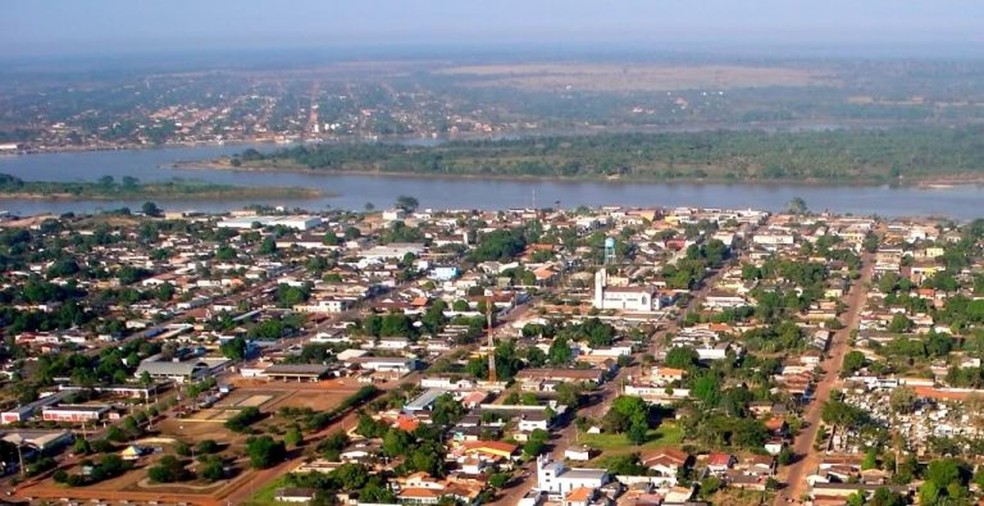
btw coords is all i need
(636, 77)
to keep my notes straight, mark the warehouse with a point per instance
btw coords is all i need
(296, 372)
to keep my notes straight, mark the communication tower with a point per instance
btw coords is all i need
(488, 315)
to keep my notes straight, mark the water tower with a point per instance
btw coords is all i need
(609, 251)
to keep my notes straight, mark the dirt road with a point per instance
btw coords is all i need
(808, 458)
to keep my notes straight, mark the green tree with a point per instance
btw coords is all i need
(234, 349)
(151, 209)
(293, 437)
(853, 362)
(560, 351)
(681, 357)
(407, 203)
(264, 452)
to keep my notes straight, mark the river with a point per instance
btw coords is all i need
(354, 191)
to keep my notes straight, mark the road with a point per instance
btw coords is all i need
(563, 438)
(807, 458)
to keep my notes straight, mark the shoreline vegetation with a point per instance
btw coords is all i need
(929, 157)
(106, 188)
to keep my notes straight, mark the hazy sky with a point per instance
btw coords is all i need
(30, 27)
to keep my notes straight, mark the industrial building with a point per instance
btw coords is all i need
(299, 222)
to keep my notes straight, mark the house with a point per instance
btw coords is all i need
(533, 421)
(581, 496)
(666, 462)
(490, 450)
(579, 453)
(720, 463)
(661, 376)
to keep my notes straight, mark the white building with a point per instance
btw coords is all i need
(638, 299)
(300, 222)
(557, 480)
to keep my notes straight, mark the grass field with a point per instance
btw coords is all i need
(265, 495)
(612, 444)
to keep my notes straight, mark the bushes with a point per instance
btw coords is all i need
(242, 420)
(110, 466)
(169, 469)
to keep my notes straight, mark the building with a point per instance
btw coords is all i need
(636, 299)
(71, 413)
(580, 453)
(424, 401)
(332, 305)
(394, 251)
(444, 273)
(299, 222)
(296, 372)
(295, 495)
(534, 379)
(558, 480)
(26, 412)
(180, 371)
(387, 364)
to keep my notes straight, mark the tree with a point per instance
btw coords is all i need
(234, 349)
(560, 351)
(407, 203)
(151, 209)
(853, 362)
(885, 497)
(396, 442)
(268, 246)
(264, 452)
(207, 447)
(81, 447)
(213, 469)
(900, 324)
(169, 470)
(681, 357)
(797, 206)
(353, 476)
(293, 437)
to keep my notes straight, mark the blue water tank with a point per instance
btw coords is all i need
(610, 242)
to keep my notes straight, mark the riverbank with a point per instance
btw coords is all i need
(352, 191)
(14, 188)
(922, 182)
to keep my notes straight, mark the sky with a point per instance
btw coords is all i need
(65, 27)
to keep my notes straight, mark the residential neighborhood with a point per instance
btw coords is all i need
(589, 356)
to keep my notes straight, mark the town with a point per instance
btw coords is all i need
(575, 357)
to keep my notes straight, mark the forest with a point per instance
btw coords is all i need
(899, 156)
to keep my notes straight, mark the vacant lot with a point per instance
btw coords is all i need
(636, 77)
(613, 444)
(318, 401)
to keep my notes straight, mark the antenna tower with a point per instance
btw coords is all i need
(488, 315)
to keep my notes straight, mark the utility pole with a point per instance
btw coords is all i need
(488, 314)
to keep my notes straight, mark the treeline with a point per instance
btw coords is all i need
(869, 155)
(130, 187)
